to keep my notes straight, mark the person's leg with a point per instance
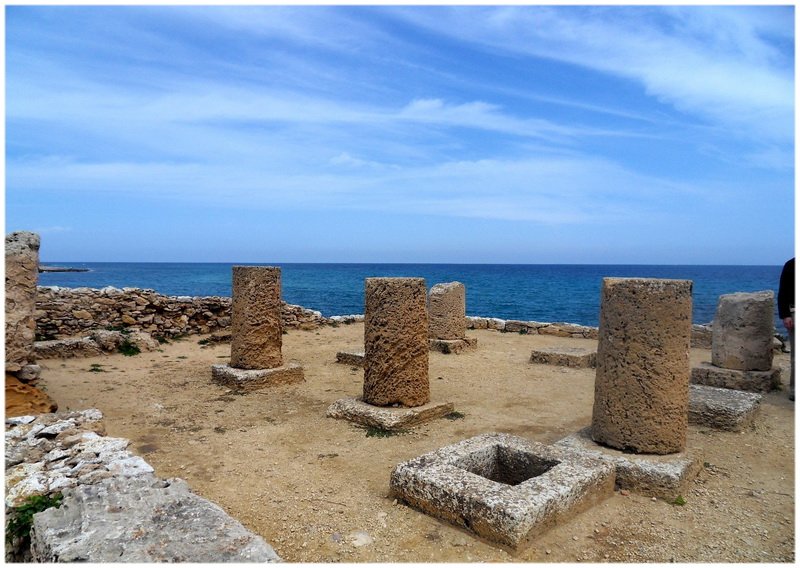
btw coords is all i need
(791, 358)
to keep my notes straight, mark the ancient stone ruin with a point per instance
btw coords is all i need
(22, 272)
(641, 405)
(741, 344)
(256, 333)
(396, 386)
(447, 318)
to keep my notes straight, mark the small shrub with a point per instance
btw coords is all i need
(128, 349)
(161, 339)
(523, 331)
(20, 519)
(679, 500)
(97, 368)
(455, 415)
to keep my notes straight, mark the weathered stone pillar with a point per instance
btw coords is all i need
(22, 273)
(741, 336)
(256, 333)
(447, 311)
(395, 342)
(641, 396)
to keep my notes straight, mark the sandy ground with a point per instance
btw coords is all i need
(312, 486)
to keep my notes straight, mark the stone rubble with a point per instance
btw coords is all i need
(99, 478)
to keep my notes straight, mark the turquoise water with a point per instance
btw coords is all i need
(541, 292)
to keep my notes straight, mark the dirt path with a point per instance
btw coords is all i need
(316, 488)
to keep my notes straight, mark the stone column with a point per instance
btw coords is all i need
(22, 273)
(741, 336)
(447, 311)
(256, 317)
(641, 396)
(395, 342)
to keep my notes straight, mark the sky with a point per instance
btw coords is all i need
(444, 134)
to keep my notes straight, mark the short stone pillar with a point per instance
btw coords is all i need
(256, 333)
(395, 342)
(447, 311)
(641, 397)
(741, 336)
(447, 318)
(22, 273)
(396, 390)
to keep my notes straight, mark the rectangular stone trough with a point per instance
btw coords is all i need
(664, 476)
(723, 409)
(578, 357)
(503, 488)
(753, 381)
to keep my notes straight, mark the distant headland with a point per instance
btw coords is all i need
(61, 269)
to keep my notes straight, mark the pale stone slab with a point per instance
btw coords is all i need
(664, 476)
(396, 342)
(256, 332)
(355, 358)
(448, 346)
(578, 357)
(387, 417)
(753, 381)
(506, 489)
(641, 395)
(742, 331)
(447, 311)
(253, 379)
(723, 409)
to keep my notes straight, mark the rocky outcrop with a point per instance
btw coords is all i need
(96, 343)
(22, 263)
(67, 312)
(22, 399)
(114, 509)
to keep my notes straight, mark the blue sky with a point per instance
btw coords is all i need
(518, 134)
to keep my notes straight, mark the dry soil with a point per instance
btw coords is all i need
(317, 488)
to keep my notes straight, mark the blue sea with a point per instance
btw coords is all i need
(540, 292)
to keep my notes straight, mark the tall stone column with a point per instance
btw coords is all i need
(641, 397)
(395, 342)
(741, 336)
(256, 332)
(447, 311)
(22, 273)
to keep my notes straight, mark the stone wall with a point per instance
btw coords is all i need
(68, 312)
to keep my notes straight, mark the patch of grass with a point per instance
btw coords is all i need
(523, 331)
(374, 432)
(455, 415)
(161, 339)
(97, 368)
(20, 519)
(679, 500)
(128, 349)
(205, 341)
(182, 357)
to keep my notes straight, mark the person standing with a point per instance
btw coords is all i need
(786, 312)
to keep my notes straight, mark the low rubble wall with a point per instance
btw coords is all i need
(113, 508)
(67, 312)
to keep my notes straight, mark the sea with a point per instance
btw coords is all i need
(539, 292)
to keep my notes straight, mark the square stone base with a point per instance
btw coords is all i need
(387, 417)
(503, 488)
(354, 358)
(664, 476)
(253, 379)
(578, 357)
(448, 346)
(723, 409)
(753, 381)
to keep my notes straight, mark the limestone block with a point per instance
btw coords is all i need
(253, 379)
(354, 358)
(23, 399)
(256, 317)
(448, 346)
(67, 348)
(447, 311)
(753, 381)
(723, 409)
(578, 357)
(22, 272)
(742, 331)
(641, 396)
(395, 342)
(387, 418)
